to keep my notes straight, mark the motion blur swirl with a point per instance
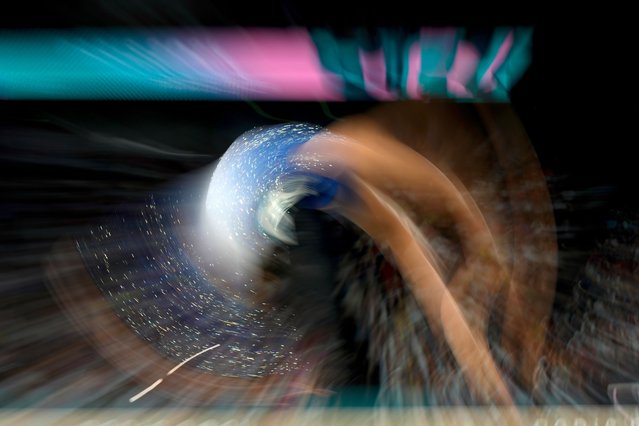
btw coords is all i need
(427, 226)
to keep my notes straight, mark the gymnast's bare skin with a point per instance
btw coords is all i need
(382, 165)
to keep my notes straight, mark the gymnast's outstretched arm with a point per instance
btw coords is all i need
(384, 222)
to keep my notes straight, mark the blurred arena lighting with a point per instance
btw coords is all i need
(262, 64)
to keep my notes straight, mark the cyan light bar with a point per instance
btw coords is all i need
(261, 64)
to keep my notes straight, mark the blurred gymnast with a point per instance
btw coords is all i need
(403, 173)
(368, 170)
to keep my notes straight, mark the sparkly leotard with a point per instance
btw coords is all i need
(256, 182)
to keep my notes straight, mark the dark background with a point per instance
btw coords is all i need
(64, 164)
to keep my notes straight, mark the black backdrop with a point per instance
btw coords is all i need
(576, 102)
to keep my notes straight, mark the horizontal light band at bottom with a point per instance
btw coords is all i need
(538, 416)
